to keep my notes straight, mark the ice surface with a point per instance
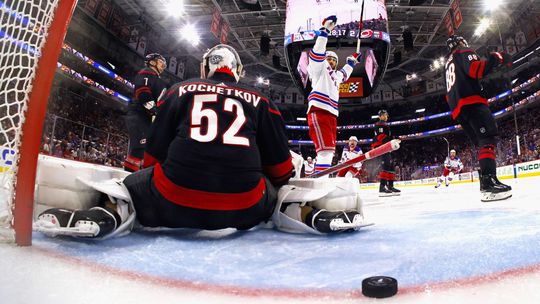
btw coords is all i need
(442, 245)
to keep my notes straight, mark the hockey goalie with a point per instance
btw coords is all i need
(216, 157)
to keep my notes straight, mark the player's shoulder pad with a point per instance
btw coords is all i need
(147, 71)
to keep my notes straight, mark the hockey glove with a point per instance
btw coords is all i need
(503, 58)
(328, 24)
(150, 107)
(353, 59)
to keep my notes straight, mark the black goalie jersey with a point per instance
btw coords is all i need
(464, 69)
(211, 143)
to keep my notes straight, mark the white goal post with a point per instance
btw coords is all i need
(31, 36)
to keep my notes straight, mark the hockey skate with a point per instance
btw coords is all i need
(338, 221)
(95, 222)
(492, 189)
(395, 192)
(383, 190)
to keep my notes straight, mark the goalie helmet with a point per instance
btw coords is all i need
(333, 55)
(454, 41)
(222, 58)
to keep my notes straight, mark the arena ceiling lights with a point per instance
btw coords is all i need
(482, 27)
(492, 5)
(189, 33)
(174, 8)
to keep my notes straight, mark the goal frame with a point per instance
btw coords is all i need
(32, 127)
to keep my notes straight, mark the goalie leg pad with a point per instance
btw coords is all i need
(332, 195)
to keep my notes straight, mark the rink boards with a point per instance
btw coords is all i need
(520, 170)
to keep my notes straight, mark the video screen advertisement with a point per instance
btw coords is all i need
(302, 23)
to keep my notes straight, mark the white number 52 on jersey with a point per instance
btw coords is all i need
(230, 136)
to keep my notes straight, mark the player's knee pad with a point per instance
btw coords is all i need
(451, 176)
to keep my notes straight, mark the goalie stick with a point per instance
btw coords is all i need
(383, 149)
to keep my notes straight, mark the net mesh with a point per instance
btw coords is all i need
(23, 31)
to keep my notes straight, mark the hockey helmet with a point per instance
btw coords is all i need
(453, 42)
(333, 55)
(452, 151)
(153, 56)
(382, 112)
(222, 57)
(353, 138)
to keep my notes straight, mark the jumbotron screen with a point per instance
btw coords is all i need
(303, 20)
(305, 17)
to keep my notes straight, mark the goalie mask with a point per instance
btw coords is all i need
(221, 58)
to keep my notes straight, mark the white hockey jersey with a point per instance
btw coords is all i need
(309, 168)
(347, 154)
(324, 80)
(453, 164)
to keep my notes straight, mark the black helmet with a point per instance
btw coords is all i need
(153, 56)
(453, 42)
(382, 112)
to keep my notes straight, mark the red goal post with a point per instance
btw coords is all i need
(30, 44)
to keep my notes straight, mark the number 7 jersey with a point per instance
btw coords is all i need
(464, 69)
(218, 137)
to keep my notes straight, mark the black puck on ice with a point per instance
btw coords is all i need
(379, 287)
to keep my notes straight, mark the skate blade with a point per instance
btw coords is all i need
(340, 225)
(493, 197)
(51, 230)
(385, 194)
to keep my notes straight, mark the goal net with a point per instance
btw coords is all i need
(31, 34)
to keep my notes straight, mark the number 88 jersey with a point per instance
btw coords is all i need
(463, 71)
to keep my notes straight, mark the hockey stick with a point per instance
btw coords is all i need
(360, 26)
(380, 150)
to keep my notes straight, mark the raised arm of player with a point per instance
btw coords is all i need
(273, 145)
(476, 67)
(317, 54)
(163, 129)
(346, 71)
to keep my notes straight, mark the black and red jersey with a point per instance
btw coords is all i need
(212, 141)
(148, 87)
(382, 134)
(464, 69)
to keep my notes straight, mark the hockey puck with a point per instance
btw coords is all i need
(379, 287)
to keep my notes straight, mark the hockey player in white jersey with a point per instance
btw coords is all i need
(309, 166)
(452, 166)
(352, 150)
(324, 97)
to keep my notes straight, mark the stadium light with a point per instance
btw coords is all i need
(175, 8)
(260, 80)
(492, 5)
(301, 118)
(482, 27)
(374, 116)
(420, 110)
(190, 34)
